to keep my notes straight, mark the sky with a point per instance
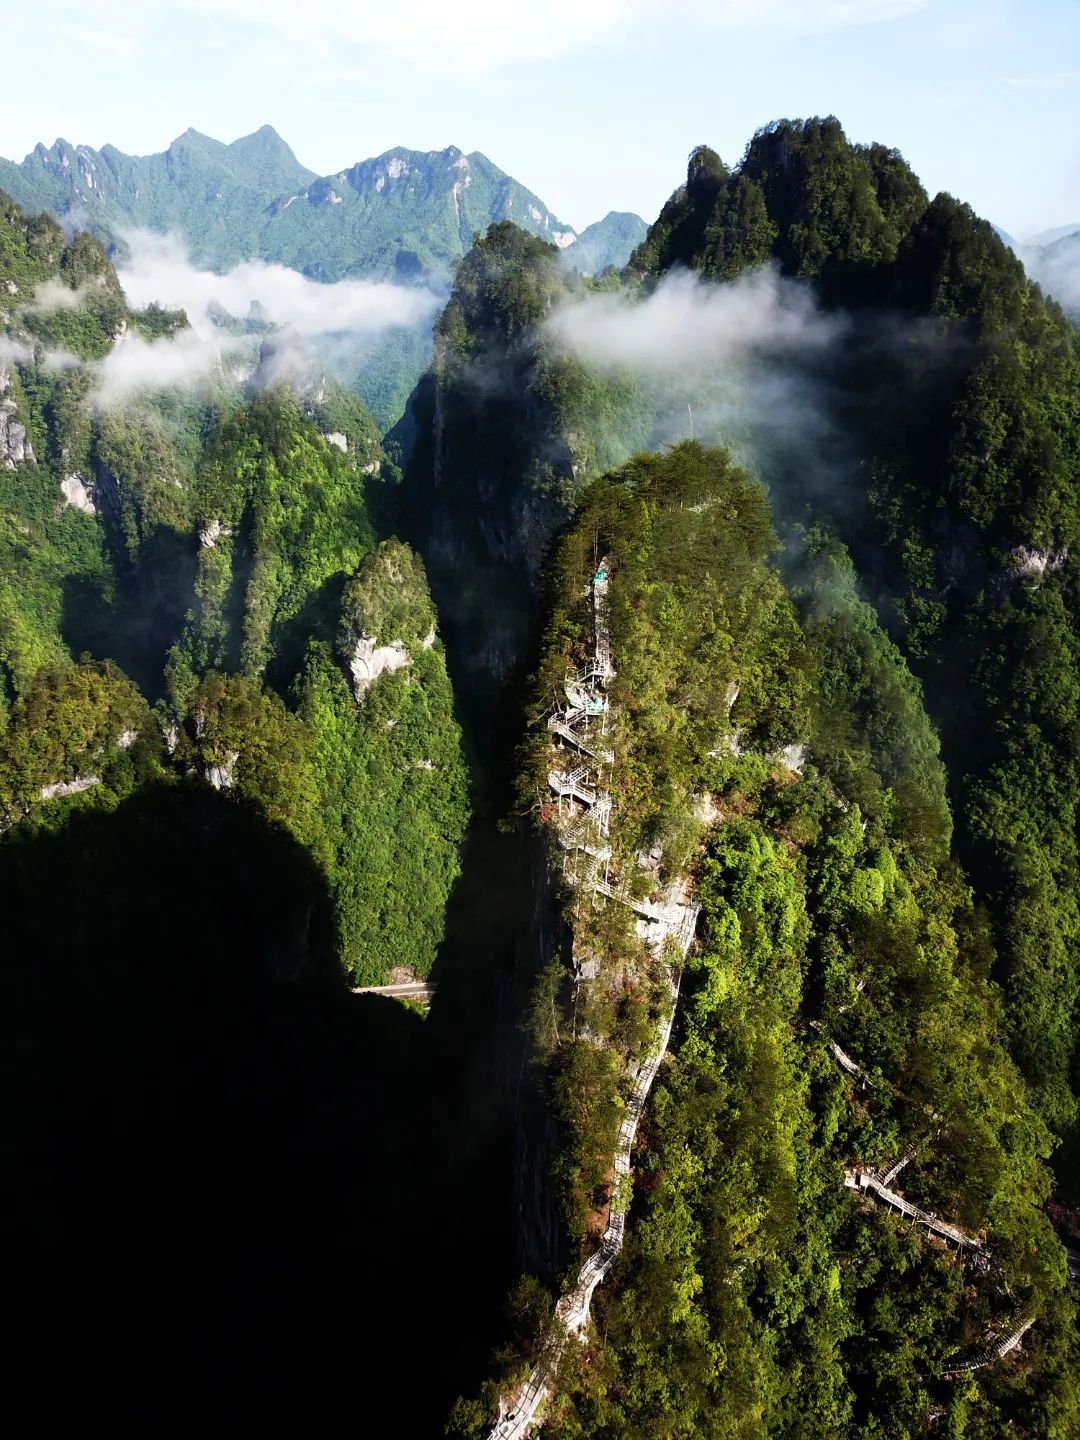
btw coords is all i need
(592, 104)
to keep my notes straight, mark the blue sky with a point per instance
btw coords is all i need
(593, 104)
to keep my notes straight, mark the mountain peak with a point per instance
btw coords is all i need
(193, 139)
(266, 149)
(265, 137)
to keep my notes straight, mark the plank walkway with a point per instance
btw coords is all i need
(867, 1180)
(413, 990)
(879, 1185)
(572, 1311)
(676, 919)
(991, 1354)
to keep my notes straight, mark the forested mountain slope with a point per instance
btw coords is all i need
(756, 1295)
(773, 742)
(223, 554)
(963, 512)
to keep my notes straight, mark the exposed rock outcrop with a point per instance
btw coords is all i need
(78, 494)
(69, 787)
(15, 446)
(222, 776)
(1034, 564)
(369, 660)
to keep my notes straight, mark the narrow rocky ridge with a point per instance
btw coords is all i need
(585, 808)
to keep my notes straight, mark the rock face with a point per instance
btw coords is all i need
(210, 534)
(1037, 563)
(69, 787)
(369, 660)
(221, 776)
(543, 1244)
(491, 522)
(77, 494)
(15, 447)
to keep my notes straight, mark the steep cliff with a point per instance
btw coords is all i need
(510, 430)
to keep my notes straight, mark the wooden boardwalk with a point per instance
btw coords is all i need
(675, 919)
(991, 1354)
(879, 1185)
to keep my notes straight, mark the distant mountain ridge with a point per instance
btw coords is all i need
(177, 188)
(610, 241)
(1056, 266)
(405, 215)
(1053, 259)
(1048, 237)
(399, 213)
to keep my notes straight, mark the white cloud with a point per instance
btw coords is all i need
(15, 351)
(186, 361)
(483, 35)
(159, 270)
(345, 315)
(688, 325)
(55, 295)
(19, 352)
(743, 364)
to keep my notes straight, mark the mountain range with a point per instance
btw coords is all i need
(403, 214)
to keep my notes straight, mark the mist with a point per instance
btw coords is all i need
(689, 326)
(21, 352)
(158, 270)
(185, 361)
(745, 364)
(54, 295)
(331, 324)
(1056, 268)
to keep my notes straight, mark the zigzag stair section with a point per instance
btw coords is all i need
(584, 819)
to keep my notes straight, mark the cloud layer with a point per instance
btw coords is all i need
(746, 364)
(186, 361)
(335, 319)
(21, 352)
(688, 326)
(158, 269)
